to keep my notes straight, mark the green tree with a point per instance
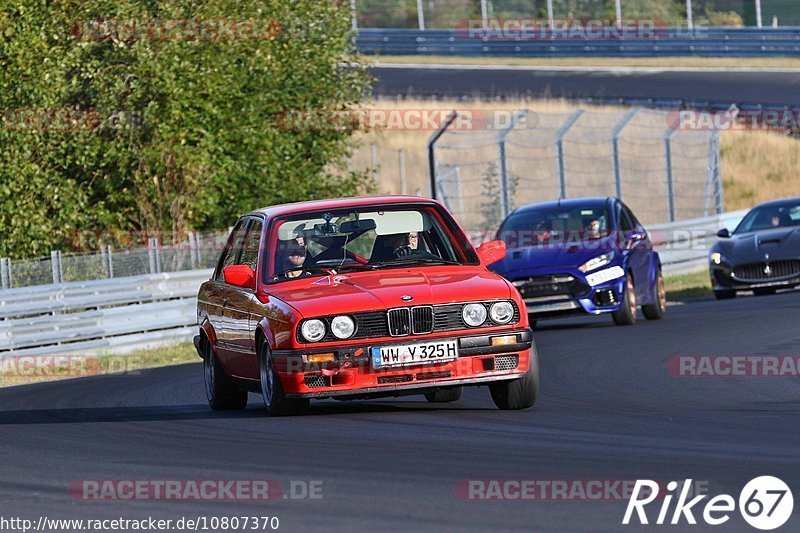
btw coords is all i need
(174, 133)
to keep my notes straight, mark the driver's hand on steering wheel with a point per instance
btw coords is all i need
(402, 252)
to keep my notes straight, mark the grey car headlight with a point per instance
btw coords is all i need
(501, 312)
(313, 330)
(474, 314)
(343, 327)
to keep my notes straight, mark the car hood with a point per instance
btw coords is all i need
(354, 292)
(779, 243)
(531, 258)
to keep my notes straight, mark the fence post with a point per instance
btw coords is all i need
(626, 118)
(373, 157)
(562, 131)
(719, 198)
(505, 192)
(4, 282)
(432, 147)
(155, 257)
(198, 245)
(110, 264)
(354, 14)
(9, 273)
(403, 180)
(670, 184)
(54, 267)
(192, 249)
(420, 15)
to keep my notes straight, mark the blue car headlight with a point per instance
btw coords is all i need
(597, 262)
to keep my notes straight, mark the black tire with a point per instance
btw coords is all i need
(765, 291)
(626, 316)
(656, 310)
(449, 394)
(518, 393)
(222, 392)
(271, 389)
(724, 295)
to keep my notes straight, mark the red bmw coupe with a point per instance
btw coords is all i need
(361, 298)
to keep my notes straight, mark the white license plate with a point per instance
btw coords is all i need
(605, 275)
(414, 354)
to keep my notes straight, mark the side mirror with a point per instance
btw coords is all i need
(240, 276)
(724, 233)
(491, 252)
(635, 235)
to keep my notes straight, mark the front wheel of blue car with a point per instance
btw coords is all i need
(518, 393)
(626, 316)
(271, 389)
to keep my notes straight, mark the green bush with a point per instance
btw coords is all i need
(101, 130)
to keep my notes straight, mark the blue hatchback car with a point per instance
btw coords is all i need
(584, 255)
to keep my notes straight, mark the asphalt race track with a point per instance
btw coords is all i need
(766, 87)
(608, 411)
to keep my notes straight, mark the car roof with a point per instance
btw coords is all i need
(780, 203)
(338, 203)
(592, 201)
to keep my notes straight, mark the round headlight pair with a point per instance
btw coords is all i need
(475, 315)
(342, 327)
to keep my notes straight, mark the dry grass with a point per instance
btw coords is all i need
(756, 165)
(35, 369)
(691, 285)
(652, 62)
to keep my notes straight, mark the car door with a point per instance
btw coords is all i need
(638, 247)
(220, 294)
(238, 312)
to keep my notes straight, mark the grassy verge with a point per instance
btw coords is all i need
(34, 369)
(652, 62)
(692, 285)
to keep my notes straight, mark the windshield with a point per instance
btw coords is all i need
(769, 217)
(323, 243)
(557, 224)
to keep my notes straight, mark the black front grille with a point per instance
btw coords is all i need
(399, 322)
(421, 319)
(405, 378)
(404, 321)
(766, 271)
(551, 286)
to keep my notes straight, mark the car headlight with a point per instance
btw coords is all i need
(474, 314)
(597, 262)
(343, 327)
(501, 312)
(716, 258)
(313, 330)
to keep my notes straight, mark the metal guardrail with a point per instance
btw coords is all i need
(118, 315)
(712, 41)
(683, 246)
(100, 316)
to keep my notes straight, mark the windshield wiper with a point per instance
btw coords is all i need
(413, 261)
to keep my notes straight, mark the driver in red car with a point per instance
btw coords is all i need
(293, 256)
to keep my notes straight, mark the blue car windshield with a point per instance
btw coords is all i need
(555, 223)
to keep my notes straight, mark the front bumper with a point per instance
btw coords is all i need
(352, 374)
(724, 279)
(565, 293)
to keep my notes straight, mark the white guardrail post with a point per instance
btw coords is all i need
(5, 273)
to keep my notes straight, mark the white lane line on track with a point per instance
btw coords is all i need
(615, 70)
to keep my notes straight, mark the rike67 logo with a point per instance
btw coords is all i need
(765, 503)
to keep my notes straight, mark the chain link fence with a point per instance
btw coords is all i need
(196, 251)
(663, 173)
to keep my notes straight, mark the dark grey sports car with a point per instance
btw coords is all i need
(762, 254)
